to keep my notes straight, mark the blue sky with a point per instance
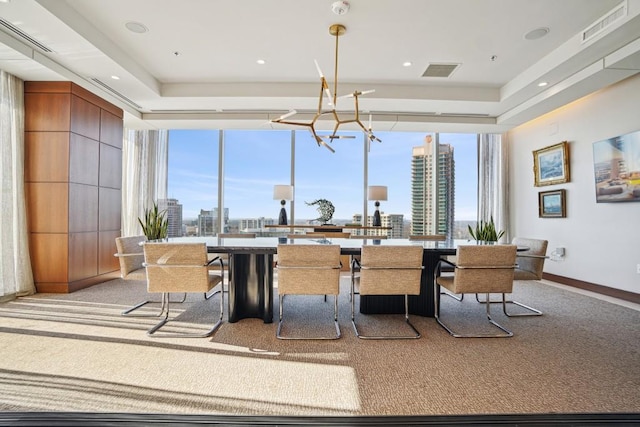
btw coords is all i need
(255, 161)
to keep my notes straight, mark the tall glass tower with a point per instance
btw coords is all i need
(432, 188)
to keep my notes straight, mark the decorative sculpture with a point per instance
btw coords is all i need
(325, 209)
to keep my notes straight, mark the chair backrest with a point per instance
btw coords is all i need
(308, 269)
(390, 270)
(130, 253)
(366, 236)
(484, 268)
(530, 268)
(428, 237)
(176, 267)
(237, 235)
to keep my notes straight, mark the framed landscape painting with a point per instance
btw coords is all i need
(551, 164)
(616, 164)
(552, 204)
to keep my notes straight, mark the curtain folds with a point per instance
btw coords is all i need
(16, 276)
(145, 156)
(493, 183)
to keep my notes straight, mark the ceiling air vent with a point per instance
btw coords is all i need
(605, 22)
(24, 36)
(440, 70)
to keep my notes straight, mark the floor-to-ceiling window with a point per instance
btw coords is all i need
(336, 177)
(254, 161)
(193, 181)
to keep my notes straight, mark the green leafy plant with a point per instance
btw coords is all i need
(155, 223)
(485, 231)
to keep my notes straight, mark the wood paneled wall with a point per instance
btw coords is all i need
(73, 180)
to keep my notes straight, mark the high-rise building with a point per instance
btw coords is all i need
(208, 222)
(174, 216)
(255, 224)
(395, 221)
(432, 200)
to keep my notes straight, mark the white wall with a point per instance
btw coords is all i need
(602, 240)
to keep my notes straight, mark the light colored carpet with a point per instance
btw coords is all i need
(74, 352)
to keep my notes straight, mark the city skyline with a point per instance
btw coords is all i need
(255, 161)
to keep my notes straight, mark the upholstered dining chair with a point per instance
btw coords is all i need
(479, 269)
(131, 258)
(529, 266)
(184, 268)
(308, 269)
(387, 270)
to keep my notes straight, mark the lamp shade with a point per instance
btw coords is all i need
(283, 192)
(377, 192)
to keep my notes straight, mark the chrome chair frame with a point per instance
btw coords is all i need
(416, 334)
(523, 275)
(281, 303)
(165, 300)
(141, 239)
(436, 289)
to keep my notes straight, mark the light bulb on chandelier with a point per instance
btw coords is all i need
(335, 30)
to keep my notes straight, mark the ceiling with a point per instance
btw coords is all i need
(196, 66)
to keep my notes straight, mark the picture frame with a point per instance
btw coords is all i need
(552, 204)
(616, 167)
(551, 164)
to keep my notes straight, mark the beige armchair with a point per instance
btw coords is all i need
(308, 269)
(529, 265)
(131, 258)
(181, 267)
(479, 269)
(387, 270)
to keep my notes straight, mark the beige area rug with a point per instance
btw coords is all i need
(74, 352)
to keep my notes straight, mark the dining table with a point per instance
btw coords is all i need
(251, 273)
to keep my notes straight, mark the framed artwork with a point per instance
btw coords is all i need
(616, 164)
(552, 204)
(551, 164)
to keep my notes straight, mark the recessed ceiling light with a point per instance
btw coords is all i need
(537, 33)
(261, 61)
(136, 27)
(407, 64)
(542, 84)
(115, 77)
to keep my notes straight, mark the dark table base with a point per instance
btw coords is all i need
(421, 305)
(250, 286)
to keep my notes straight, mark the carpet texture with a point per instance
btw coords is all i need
(75, 353)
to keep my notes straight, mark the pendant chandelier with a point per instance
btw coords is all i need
(335, 30)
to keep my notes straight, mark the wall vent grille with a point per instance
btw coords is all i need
(605, 22)
(17, 31)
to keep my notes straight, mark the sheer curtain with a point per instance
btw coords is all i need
(493, 185)
(145, 156)
(16, 277)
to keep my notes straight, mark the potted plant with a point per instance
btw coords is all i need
(486, 231)
(154, 224)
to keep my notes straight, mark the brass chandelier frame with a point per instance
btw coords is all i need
(335, 30)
